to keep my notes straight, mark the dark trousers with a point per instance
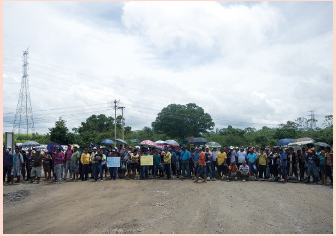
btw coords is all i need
(28, 172)
(98, 169)
(167, 170)
(209, 170)
(185, 171)
(144, 172)
(7, 170)
(113, 172)
(173, 166)
(85, 172)
(262, 171)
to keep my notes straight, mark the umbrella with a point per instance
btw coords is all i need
(301, 141)
(197, 141)
(285, 141)
(120, 141)
(148, 142)
(322, 144)
(76, 145)
(30, 144)
(213, 145)
(172, 142)
(50, 145)
(107, 141)
(160, 142)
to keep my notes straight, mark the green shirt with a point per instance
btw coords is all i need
(156, 160)
(74, 156)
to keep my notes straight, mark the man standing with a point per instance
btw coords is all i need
(93, 169)
(214, 162)
(262, 157)
(220, 158)
(86, 160)
(328, 165)
(196, 159)
(241, 156)
(283, 165)
(252, 160)
(291, 163)
(208, 161)
(173, 160)
(58, 163)
(201, 166)
(185, 156)
(167, 161)
(17, 165)
(98, 166)
(37, 166)
(232, 155)
(74, 163)
(243, 171)
(7, 166)
(67, 158)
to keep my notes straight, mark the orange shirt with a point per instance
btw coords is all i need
(233, 168)
(201, 160)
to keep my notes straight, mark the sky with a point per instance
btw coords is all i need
(247, 64)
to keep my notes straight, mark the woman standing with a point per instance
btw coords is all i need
(134, 162)
(47, 165)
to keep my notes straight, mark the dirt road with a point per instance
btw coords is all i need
(168, 206)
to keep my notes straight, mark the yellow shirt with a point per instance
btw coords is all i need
(85, 158)
(221, 157)
(167, 158)
(262, 159)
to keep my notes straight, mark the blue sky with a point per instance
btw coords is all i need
(246, 63)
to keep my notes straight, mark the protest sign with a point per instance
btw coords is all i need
(113, 161)
(147, 160)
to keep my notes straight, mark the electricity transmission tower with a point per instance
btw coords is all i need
(312, 119)
(24, 121)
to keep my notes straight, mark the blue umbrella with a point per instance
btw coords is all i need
(120, 141)
(30, 144)
(50, 145)
(107, 141)
(321, 144)
(283, 142)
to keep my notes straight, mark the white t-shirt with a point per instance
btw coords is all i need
(244, 169)
(214, 154)
(241, 156)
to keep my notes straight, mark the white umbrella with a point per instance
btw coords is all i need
(301, 141)
(160, 142)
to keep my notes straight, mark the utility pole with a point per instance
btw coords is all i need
(115, 119)
(312, 119)
(122, 120)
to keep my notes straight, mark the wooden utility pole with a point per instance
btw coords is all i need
(115, 120)
(122, 120)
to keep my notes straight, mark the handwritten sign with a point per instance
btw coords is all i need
(146, 160)
(113, 161)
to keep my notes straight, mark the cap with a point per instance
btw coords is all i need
(46, 150)
(251, 149)
(241, 146)
(94, 148)
(38, 150)
(231, 147)
(9, 147)
(309, 151)
(7, 150)
(236, 147)
(200, 148)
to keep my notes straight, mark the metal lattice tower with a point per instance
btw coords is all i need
(312, 118)
(24, 121)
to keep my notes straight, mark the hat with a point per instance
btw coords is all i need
(312, 149)
(291, 148)
(129, 151)
(7, 150)
(38, 150)
(251, 149)
(236, 147)
(309, 151)
(231, 147)
(46, 150)
(94, 148)
(241, 146)
(169, 149)
(200, 148)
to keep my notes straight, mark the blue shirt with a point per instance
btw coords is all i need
(196, 156)
(311, 163)
(322, 159)
(283, 159)
(185, 155)
(173, 157)
(251, 157)
(8, 159)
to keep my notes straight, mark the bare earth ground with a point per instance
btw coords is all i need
(167, 206)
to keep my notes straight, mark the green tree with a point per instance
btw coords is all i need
(95, 123)
(328, 122)
(59, 134)
(180, 121)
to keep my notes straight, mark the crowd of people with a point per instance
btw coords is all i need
(197, 163)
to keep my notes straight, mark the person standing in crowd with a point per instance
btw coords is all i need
(37, 166)
(113, 170)
(201, 166)
(252, 161)
(128, 162)
(256, 150)
(178, 162)
(221, 158)
(93, 154)
(262, 163)
(7, 166)
(243, 171)
(185, 156)
(144, 169)
(214, 162)
(74, 164)
(47, 165)
(195, 159)
(232, 171)
(328, 165)
(97, 166)
(167, 162)
(311, 164)
(80, 164)
(321, 155)
(208, 160)
(232, 155)
(173, 160)
(85, 160)
(291, 163)
(25, 158)
(58, 163)
(283, 165)
(67, 161)
(28, 164)
(10, 150)
(156, 162)
(242, 156)
(301, 164)
(17, 165)
(134, 162)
